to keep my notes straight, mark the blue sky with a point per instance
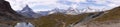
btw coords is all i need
(44, 5)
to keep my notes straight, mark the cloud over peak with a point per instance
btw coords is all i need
(63, 4)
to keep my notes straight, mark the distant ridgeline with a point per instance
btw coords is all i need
(28, 12)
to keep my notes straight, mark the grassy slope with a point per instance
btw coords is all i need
(113, 14)
(50, 20)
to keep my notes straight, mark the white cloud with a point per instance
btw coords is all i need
(19, 4)
(41, 2)
(109, 4)
(77, 1)
(62, 6)
(74, 6)
(113, 5)
(99, 1)
(114, 1)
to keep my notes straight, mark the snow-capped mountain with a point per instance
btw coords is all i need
(27, 11)
(72, 11)
(90, 10)
(75, 11)
(57, 10)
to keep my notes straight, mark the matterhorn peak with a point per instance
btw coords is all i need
(27, 11)
(27, 8)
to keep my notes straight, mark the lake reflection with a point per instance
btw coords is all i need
(24, 24)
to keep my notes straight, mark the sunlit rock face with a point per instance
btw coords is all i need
(24, 24)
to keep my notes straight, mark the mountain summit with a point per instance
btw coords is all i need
(57, 10)
(27, 9)
(27, 12)
(72, 11)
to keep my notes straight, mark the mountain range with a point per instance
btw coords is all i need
(28, 12)
(109, 18)
(59, 17)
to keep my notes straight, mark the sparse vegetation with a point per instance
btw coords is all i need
(113, 14)
(57, 20)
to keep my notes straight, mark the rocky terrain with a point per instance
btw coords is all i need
(7, 15)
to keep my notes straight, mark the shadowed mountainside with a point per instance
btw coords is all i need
(7, 14)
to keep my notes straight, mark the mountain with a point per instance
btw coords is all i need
(88, 17)
(113, 14)
(72, 11)
(76, 11)
(109, 18)
(61, 20)
(7, 14)
(27, 9)
(57, 10)
(27, 12)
